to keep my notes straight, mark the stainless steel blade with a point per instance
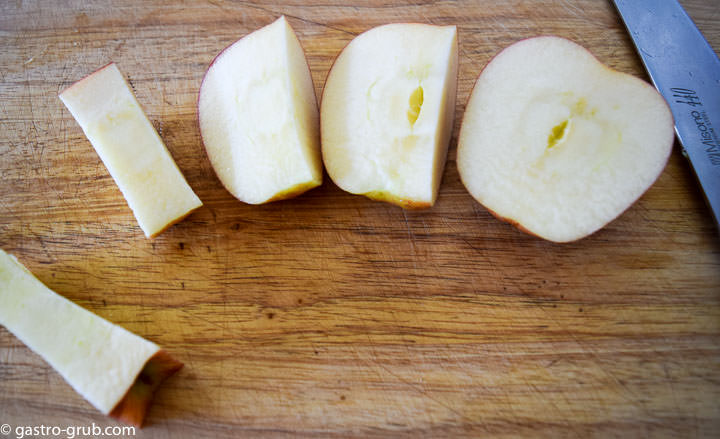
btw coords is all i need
(686, 71)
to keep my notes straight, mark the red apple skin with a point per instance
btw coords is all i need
(520, 227)
(514, 222)
(85, 77)
(405, 204)
(284, 196)
(197, 103)
(136, 402)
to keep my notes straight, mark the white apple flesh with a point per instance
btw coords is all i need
(134, 154)
(259, 118)
(387, 113)
(100, 360)
(559, 144)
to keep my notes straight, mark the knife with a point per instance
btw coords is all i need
(686, 71)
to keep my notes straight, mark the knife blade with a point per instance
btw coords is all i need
(686, 71)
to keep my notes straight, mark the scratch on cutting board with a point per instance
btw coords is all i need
(480, 251)
(411, 238)
(499, 23)
(575, 427)
(593, 354)
(672, 387)
(573, 9)
(197, 317)
(218, 4)
(8, 209)
(32, 58)
(415, 387)
(34, 130)
(39, 238)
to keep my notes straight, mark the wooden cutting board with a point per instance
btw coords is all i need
(330, 314)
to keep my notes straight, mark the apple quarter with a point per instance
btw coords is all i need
(259, 118)
(111, 118)
(103, 362)
(559, 144)
(387, 112)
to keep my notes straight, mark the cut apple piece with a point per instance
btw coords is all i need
(114, 369)
(557, 143)
(387, 113)
(134, 154)
(259, 117)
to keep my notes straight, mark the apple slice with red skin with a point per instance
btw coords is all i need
(112, 368)
(258, 117)
(557, 143)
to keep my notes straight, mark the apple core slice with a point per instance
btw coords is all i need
(259, 118)
(387, 113)
(134, 154)
(114, 369)
(557, 143)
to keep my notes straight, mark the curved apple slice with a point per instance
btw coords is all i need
(387, 112)
(114, 369)
(259, 118)
(559, 144)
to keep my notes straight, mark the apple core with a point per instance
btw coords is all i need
(415, 102)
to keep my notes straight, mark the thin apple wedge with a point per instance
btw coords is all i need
(387, 113)
(259, 118)
(559, 144)
(133, 153)
(114, 369)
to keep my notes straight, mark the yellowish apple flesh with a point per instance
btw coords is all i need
(134, 154)
(559, 144)
(387, 113)
(114, 369)
(259, 117)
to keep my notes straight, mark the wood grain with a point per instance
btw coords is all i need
(332, 315)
